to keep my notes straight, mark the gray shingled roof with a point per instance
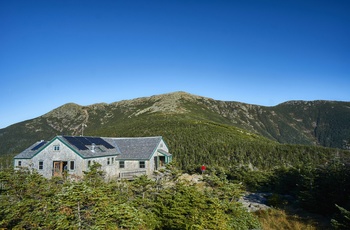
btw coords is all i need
(29, 153)
(133, 148)
(164, 152)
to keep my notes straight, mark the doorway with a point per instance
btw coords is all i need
(59, 167)
(159, 162)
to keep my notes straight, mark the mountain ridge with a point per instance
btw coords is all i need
(318, 122)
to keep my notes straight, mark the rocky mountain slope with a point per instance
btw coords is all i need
(324, 123)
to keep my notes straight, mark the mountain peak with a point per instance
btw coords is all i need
(177, 95)
(167, 103)
(68, 109)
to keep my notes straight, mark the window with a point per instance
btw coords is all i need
(56, 147)
(112, 160)
(41, 165)
(89, 163)
(19, 163)
(121, 164)
(71, 165)
(142, 165)
(108, 161)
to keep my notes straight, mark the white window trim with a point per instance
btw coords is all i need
(42, 165)
(144, 164)
(70, 165)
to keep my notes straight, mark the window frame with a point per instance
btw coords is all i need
(41, 165)
(122, 164)
(56, 147)
(71, 165)
(142, 164)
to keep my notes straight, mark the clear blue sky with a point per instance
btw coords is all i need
(261, 52)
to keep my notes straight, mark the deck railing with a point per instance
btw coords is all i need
(131, 174)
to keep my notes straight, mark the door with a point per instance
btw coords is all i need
(161, 161)
(59, 167)
(155, 163)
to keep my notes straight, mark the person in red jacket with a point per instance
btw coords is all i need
(203, 168)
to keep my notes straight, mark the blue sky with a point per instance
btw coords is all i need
(259, 52)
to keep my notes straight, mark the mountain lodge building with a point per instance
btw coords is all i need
(119, 157)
